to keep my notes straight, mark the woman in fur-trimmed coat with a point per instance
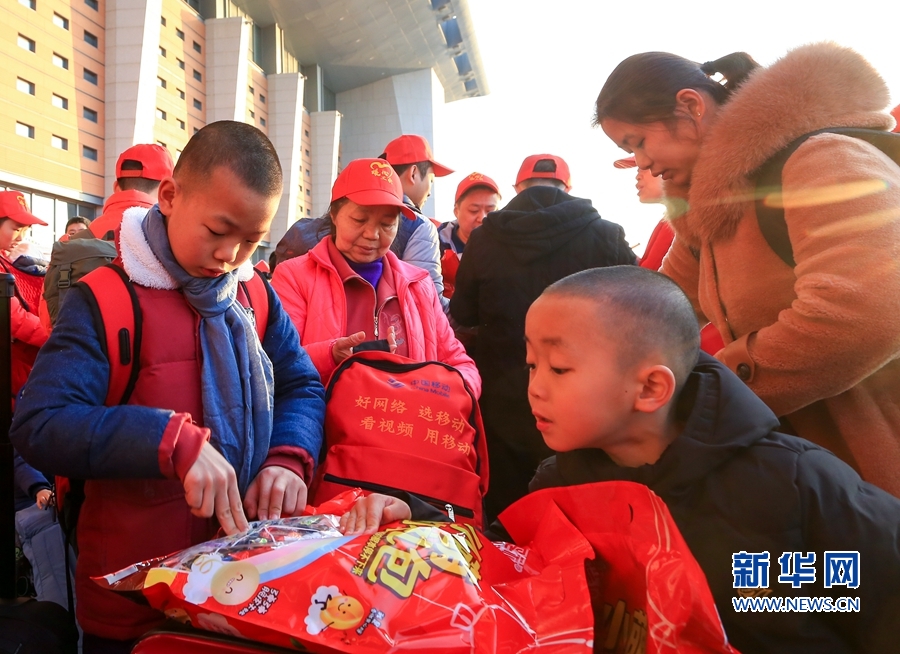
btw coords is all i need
(820, 342)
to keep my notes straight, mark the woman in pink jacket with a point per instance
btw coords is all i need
(352, 289)
(27, 332)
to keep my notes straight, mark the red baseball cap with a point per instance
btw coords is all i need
(472, 180)
(371, 182)
(14, 207)
(412, 148)
(560, 169)
(155, 162)
(627, 162)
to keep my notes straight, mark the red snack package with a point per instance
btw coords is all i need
(298, 582)
(648, 591)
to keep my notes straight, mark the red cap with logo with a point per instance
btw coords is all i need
(412, 148)
(627, 162)
(150, 161)
(471, 181)
(560, 169)
(14, 207)
(371, 182)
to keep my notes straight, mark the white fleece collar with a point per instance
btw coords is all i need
(141, 264)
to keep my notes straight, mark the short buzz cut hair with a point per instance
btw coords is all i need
(648, 310)
(242, 148)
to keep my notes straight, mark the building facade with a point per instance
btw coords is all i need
(83, 80)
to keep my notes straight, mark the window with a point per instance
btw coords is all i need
(252, 91)
(25, 130)
(59, 142)
(177, 154)
(179, 34)
(91, 40)
(308, 212)
(307, 192)
(59, 60)
(198, 104)
(181, 94)
(197, 47)
(306, 133)
(180, 64)
(307, 172)
(180, 123)
(25, 43)
(161, 144)
(90, 76)
(162, 21)
(89, 153)
(162, 51)
(196, 130)
(262, 121)
(89, 114)
(252, 114)
(31, 4)
(93, 4)
(262, 98)
(160, 114)
(24, 86)
(61, 21)
(160, 82)
(60, 102)
(307, 152)
(197, 75)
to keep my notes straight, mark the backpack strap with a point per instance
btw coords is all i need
(118, 319)
(256, 293)
(768, 184)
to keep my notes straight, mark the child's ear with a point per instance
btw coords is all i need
(166, 195)
(657, 388)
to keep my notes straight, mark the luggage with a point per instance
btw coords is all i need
(175, 638)
(393, 424)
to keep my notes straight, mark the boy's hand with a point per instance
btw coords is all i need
(275, 492)
(43, 498)
(210, 487)
(372, 511)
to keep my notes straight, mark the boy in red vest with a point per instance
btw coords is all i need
(216, 423)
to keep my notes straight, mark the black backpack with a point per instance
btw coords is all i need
(768, 182)
(70, 261)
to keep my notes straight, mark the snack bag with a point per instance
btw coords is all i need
(648, 592)
(435, 587)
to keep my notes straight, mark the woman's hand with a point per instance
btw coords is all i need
(372, 511)
(343, 347)
(392, 339)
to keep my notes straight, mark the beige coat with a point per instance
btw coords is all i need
(819, 343)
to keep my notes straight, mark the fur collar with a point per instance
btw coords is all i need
(141, 264)
(812, 87)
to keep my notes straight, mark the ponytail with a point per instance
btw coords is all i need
(643, 87)
(734, 69)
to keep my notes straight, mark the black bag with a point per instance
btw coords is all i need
(34, 627)
(768, 183)
(70, 261)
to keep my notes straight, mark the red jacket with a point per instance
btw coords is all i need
(27, 331)
(658, 246)
(115, 206)
(314, 296)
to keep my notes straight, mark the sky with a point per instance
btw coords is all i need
(547, 61)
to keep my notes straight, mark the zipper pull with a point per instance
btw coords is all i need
(376, 324)
(449, 509)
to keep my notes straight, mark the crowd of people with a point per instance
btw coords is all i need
(757, 395)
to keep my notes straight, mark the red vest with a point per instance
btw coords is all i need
(126, 521)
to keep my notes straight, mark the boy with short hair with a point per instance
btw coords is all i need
(619, 390)
(214, 415)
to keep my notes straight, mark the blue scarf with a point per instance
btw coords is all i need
(236, 377)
